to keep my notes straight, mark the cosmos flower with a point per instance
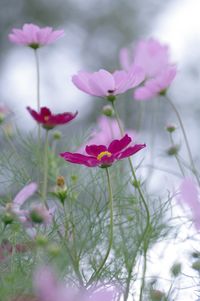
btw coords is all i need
(34, 36)
(105, 84)
(153, 58)
(103, 156)
(189, 194)
(15, 209)
(49, 120)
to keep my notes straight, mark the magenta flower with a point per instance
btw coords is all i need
(104, 84)
(49, 120)
(106, 130)
(103, 156)
(153, 58)
(34, 36)
(190, 196)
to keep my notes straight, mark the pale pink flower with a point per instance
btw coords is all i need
(104, 84)
(189, 194)
(34, 36)
(106, 130)
(154, 60)
(48, 288)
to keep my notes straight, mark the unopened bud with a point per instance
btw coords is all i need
(41, 240)
(8, 218)
(60, 182)
(171, 128)
(157, 295)
(54, 249)
(57, 135)
(108, 111)
(176, 269)
(173, 150)
(196, 265)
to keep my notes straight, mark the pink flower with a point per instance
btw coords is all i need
(107, 129)
(48, 288)
(190, 196)
(105, 84)
(103, 156)
(153, 58)
(49, 120)
(34, 36)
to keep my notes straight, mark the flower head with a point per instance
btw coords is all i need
(105, 84)
(34, 36)
(103, 156)
(153, 58)
(49, 120)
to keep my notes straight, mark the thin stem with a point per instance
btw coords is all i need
(110, 195)
(176, 156)
(44, 193)
(37, 78)
(185, 138)
(143, 274)
(145, 233)
(133, 174)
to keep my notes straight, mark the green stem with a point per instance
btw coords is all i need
(185, 138)
(145, 233)
(37, 79)
(176, 156)
(143, 274)
(99, 270)
(44, 193)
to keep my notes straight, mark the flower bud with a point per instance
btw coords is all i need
(108, 111)
(173, 150)
(57, 135)
(8, 218)
(54, 249)
(61, 189)
(196, 265)
(171, 128)
(176, 269)
(157, 295)
(41, 240)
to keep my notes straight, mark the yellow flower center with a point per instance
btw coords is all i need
(102, 154)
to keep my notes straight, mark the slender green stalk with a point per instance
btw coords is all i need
(143, 274)
(176, 156)
(97, 273)
(185, 138)
(45, 180)
(145, 233)
(37, 78)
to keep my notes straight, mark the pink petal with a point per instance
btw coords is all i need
(130, 151)
(117, 145)
(95, 150)
(101, 83)
(24, 194)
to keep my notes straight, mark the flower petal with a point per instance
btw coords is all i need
(95, 150)
(117, 145)
(130, 151)
(25, 193)
(80, 159)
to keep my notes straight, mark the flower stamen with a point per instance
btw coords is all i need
(102, 154)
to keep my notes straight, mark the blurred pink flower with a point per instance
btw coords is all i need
(48, 288)
(153, 58)
(189, 194)
(34, 36)
(104, 84)
(107, 129)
